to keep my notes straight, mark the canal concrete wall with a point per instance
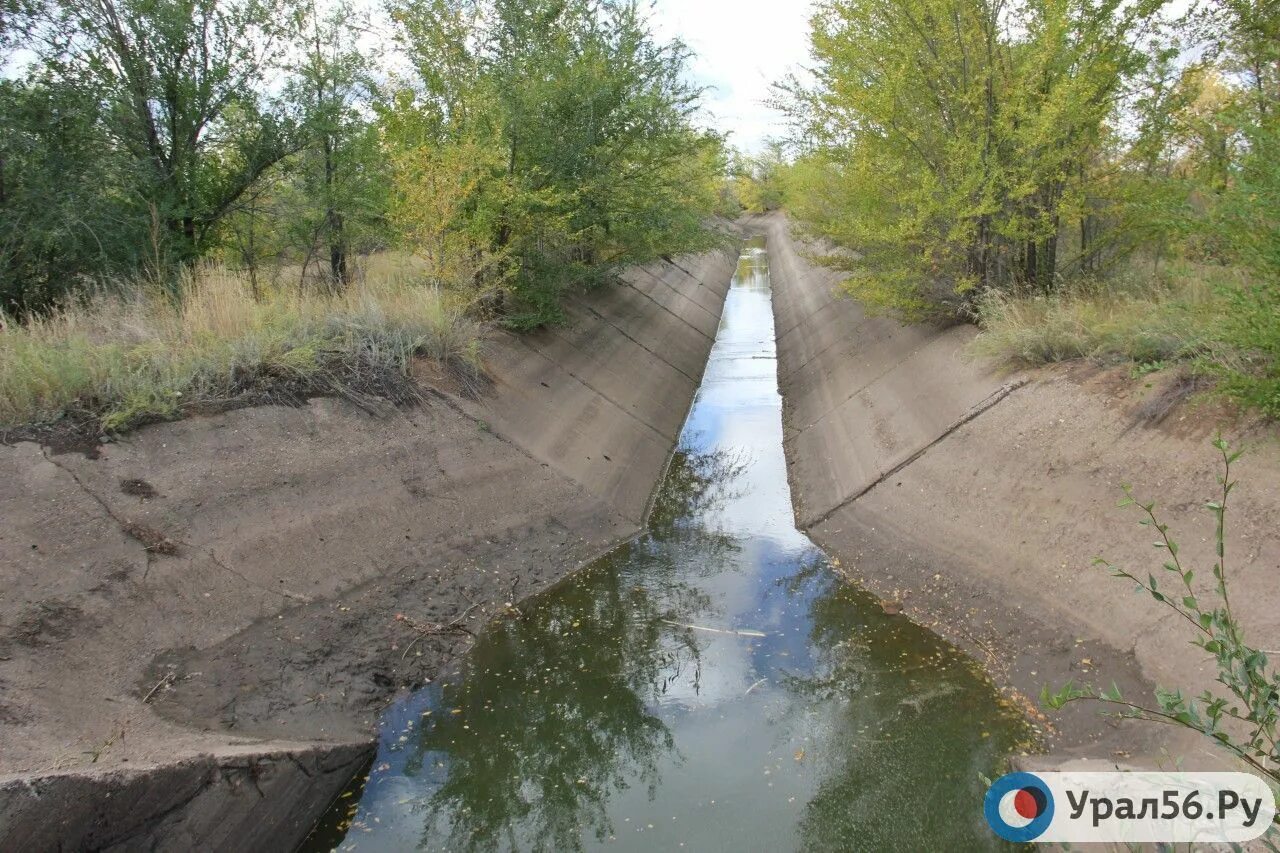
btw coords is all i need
(199, 623)
(976, 502)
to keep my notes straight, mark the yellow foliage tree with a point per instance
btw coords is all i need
(438, 207)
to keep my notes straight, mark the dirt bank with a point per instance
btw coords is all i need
(1000, 491)
(199, 626)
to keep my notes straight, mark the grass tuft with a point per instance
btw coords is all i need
(138, 354)
(1131, 319)
(1211, 320)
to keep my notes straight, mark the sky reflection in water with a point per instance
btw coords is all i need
(709, 686)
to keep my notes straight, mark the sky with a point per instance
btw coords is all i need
(741, 47)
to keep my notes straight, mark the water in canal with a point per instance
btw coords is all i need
(710, 686)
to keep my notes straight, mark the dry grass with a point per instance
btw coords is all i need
(1218, 325)
(138, 354)
(1133, 317)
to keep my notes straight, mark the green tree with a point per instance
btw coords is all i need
(600, 163)
(66, 214)
(1245, 37)
(1244, 213)
(760, 180)
(962, 135)
(341, 170)
(13, 15)
(181, 84)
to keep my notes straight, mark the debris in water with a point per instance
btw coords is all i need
(741, 633)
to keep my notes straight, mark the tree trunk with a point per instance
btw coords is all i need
(251, 256)
(1086, 263)
(337, 241)
(1049, 259)
(337, 253)
(983, 270)
(504, 230)
(183, 229)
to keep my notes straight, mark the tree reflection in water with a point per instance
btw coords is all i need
(911, 761)
(711, 684)
(556, 711)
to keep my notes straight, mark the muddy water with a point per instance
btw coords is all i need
(710, 686)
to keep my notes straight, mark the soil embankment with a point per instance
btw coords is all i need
(978, 501)
(199, 626)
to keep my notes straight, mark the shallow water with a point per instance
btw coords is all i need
(709, 686)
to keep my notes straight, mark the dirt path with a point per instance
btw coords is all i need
(978, 501)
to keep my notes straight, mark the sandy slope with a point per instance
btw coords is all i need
(989, 535)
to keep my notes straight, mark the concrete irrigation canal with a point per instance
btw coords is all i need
(525, 426)
(709, 685)
(475, 622)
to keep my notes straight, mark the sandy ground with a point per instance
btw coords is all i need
(283, 516)
(989, 534)
(196, 607)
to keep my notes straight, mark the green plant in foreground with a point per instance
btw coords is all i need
(1243, 716)
(1142, 368)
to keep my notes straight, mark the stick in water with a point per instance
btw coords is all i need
(743, 633)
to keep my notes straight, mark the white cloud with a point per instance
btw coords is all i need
(741, 47)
